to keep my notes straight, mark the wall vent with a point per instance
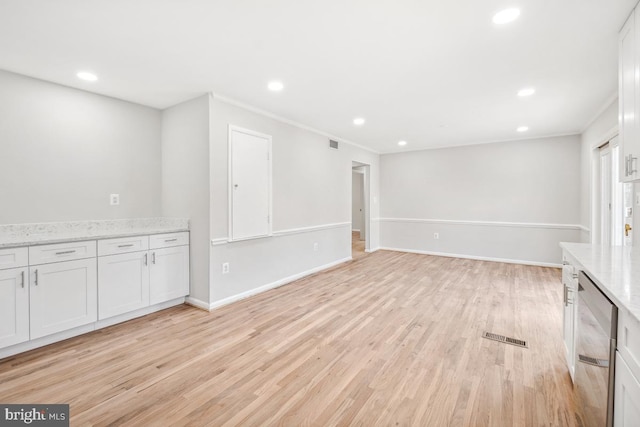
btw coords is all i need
(333, 144)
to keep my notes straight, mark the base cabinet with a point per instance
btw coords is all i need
(50, 292)
(139, 279)
(124, 283)
(169, 276)
(627, 396)
(63, 295)
(14, 306)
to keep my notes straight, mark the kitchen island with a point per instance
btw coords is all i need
(615, 271)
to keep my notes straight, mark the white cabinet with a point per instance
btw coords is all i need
(14, 306)
(59, 290)
(629, 98)
(130, 281)
(626, 407)
(63, 295)
(570, 288)
(626, 411)
(123, 283)
(169, 276)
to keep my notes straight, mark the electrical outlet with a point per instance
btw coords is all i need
(315, 247)
(114, 199)
(436, 236)
(225, 268)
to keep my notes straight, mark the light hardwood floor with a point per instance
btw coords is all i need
(357, 245)
(391, 339)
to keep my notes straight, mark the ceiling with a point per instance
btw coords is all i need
(432, 72)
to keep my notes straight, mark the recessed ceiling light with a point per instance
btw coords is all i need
(358, 121)
(506, 16)
(523, 129)
(402, 143)
(526, 91)
(85, 75)
(275, 86)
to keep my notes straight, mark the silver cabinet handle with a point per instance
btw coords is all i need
(171, 240)
(65, 252)
(146, 259)
(153, 258)
(125, 246)
(36, 273)
(22, 278)
(569, 300)
(626, 165)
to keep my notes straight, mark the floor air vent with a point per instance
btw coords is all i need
(506, 340)
(593, 361)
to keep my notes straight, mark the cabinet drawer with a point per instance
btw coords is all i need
(123, 245)
(61, 252)
(629, 340)
(158, 241)
(14, 257)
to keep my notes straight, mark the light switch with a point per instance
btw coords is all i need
(114, 199)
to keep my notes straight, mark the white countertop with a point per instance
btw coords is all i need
(615, 269)
(16, 235)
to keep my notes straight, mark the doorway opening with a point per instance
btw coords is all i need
(615, 198)
(359, 209)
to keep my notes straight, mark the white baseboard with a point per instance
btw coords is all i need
(370, 251)
(197, 303)
(273, 285)
(477, 258)
(355, 230)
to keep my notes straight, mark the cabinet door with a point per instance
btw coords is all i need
(169, 274)
(14, 306)
(63, 295)
(628, 100)
(569, 328)
(123, 283)
(626, 407)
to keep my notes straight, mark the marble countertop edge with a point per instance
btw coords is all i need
(22, 235)
(615, 270)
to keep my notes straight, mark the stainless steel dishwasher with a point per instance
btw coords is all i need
(596, 354)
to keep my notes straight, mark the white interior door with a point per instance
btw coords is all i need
(605, 195)
(363, 221)
(615, 198)
(250, 184)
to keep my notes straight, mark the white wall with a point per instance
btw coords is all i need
(63, 151)
(512, 200)
(185, 182)
(357, 184)
(311, 204)
(598, 132)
